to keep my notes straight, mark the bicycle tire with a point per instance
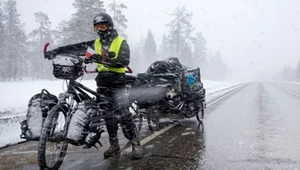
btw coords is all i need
(200, 114)
(46, 131)
(153, 119)
(137, 118)
(139, 122)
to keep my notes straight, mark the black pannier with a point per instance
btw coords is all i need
(170, 65)
(38, 107)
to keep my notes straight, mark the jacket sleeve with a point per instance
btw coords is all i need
(78, 49)
(123, 58)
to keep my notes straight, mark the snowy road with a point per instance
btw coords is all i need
(255, 127)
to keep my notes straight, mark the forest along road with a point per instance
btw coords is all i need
(255, 127)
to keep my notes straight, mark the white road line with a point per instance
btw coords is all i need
(157, 133)
(223, 96)
(17, 153)
(288, 90)
(231, 87)
(149, 138)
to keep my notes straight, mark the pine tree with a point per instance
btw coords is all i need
(61, 34)
(288, 73)
(80, 27)
(297, 74)
(15, 42)
(200, 55)
(180, 36)
(164, 49)
(279, 74)
(137, 56)
(120, 21)
(38, 37)
(43, 33)
(149, 49)
(217, 67)
(136, 62)
(2, 46)
(207, 69)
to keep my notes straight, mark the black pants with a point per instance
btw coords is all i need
(112, 85)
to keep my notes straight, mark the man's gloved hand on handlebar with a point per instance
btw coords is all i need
(98, 59)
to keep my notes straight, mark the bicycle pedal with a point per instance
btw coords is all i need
(87, 146)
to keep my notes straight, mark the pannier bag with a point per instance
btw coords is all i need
(193, 85)
(170, 65)
(82, 117)
(38, 107)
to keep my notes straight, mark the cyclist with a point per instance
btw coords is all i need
(110, 79)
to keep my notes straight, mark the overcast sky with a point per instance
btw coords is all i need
(252, 35)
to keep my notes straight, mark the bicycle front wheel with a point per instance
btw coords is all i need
(137, 117)
(53, 142)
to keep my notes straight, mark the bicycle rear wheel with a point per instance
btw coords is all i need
(200, 115)
(53, 143)
(153, 118)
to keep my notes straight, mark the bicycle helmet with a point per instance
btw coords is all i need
(103, 25)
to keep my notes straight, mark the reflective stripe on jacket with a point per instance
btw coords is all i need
(114, 47)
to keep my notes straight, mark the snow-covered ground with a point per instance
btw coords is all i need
(15, 95)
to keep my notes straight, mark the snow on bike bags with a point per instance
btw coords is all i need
(38, 107)
(85, 121)
(162, 79)
(67, 67)
(170, 65)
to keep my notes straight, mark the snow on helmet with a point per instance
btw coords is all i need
(103, 24)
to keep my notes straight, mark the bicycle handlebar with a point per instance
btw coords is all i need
(45, 47)
(129, 70)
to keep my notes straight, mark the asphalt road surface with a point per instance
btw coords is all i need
(254, 127)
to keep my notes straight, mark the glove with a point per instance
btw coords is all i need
(50, 54)
(96, 58)
(101, 68)
(87, 61)
(111, 54)
(108, 56)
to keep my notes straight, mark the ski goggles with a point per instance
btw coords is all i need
(100, 27)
